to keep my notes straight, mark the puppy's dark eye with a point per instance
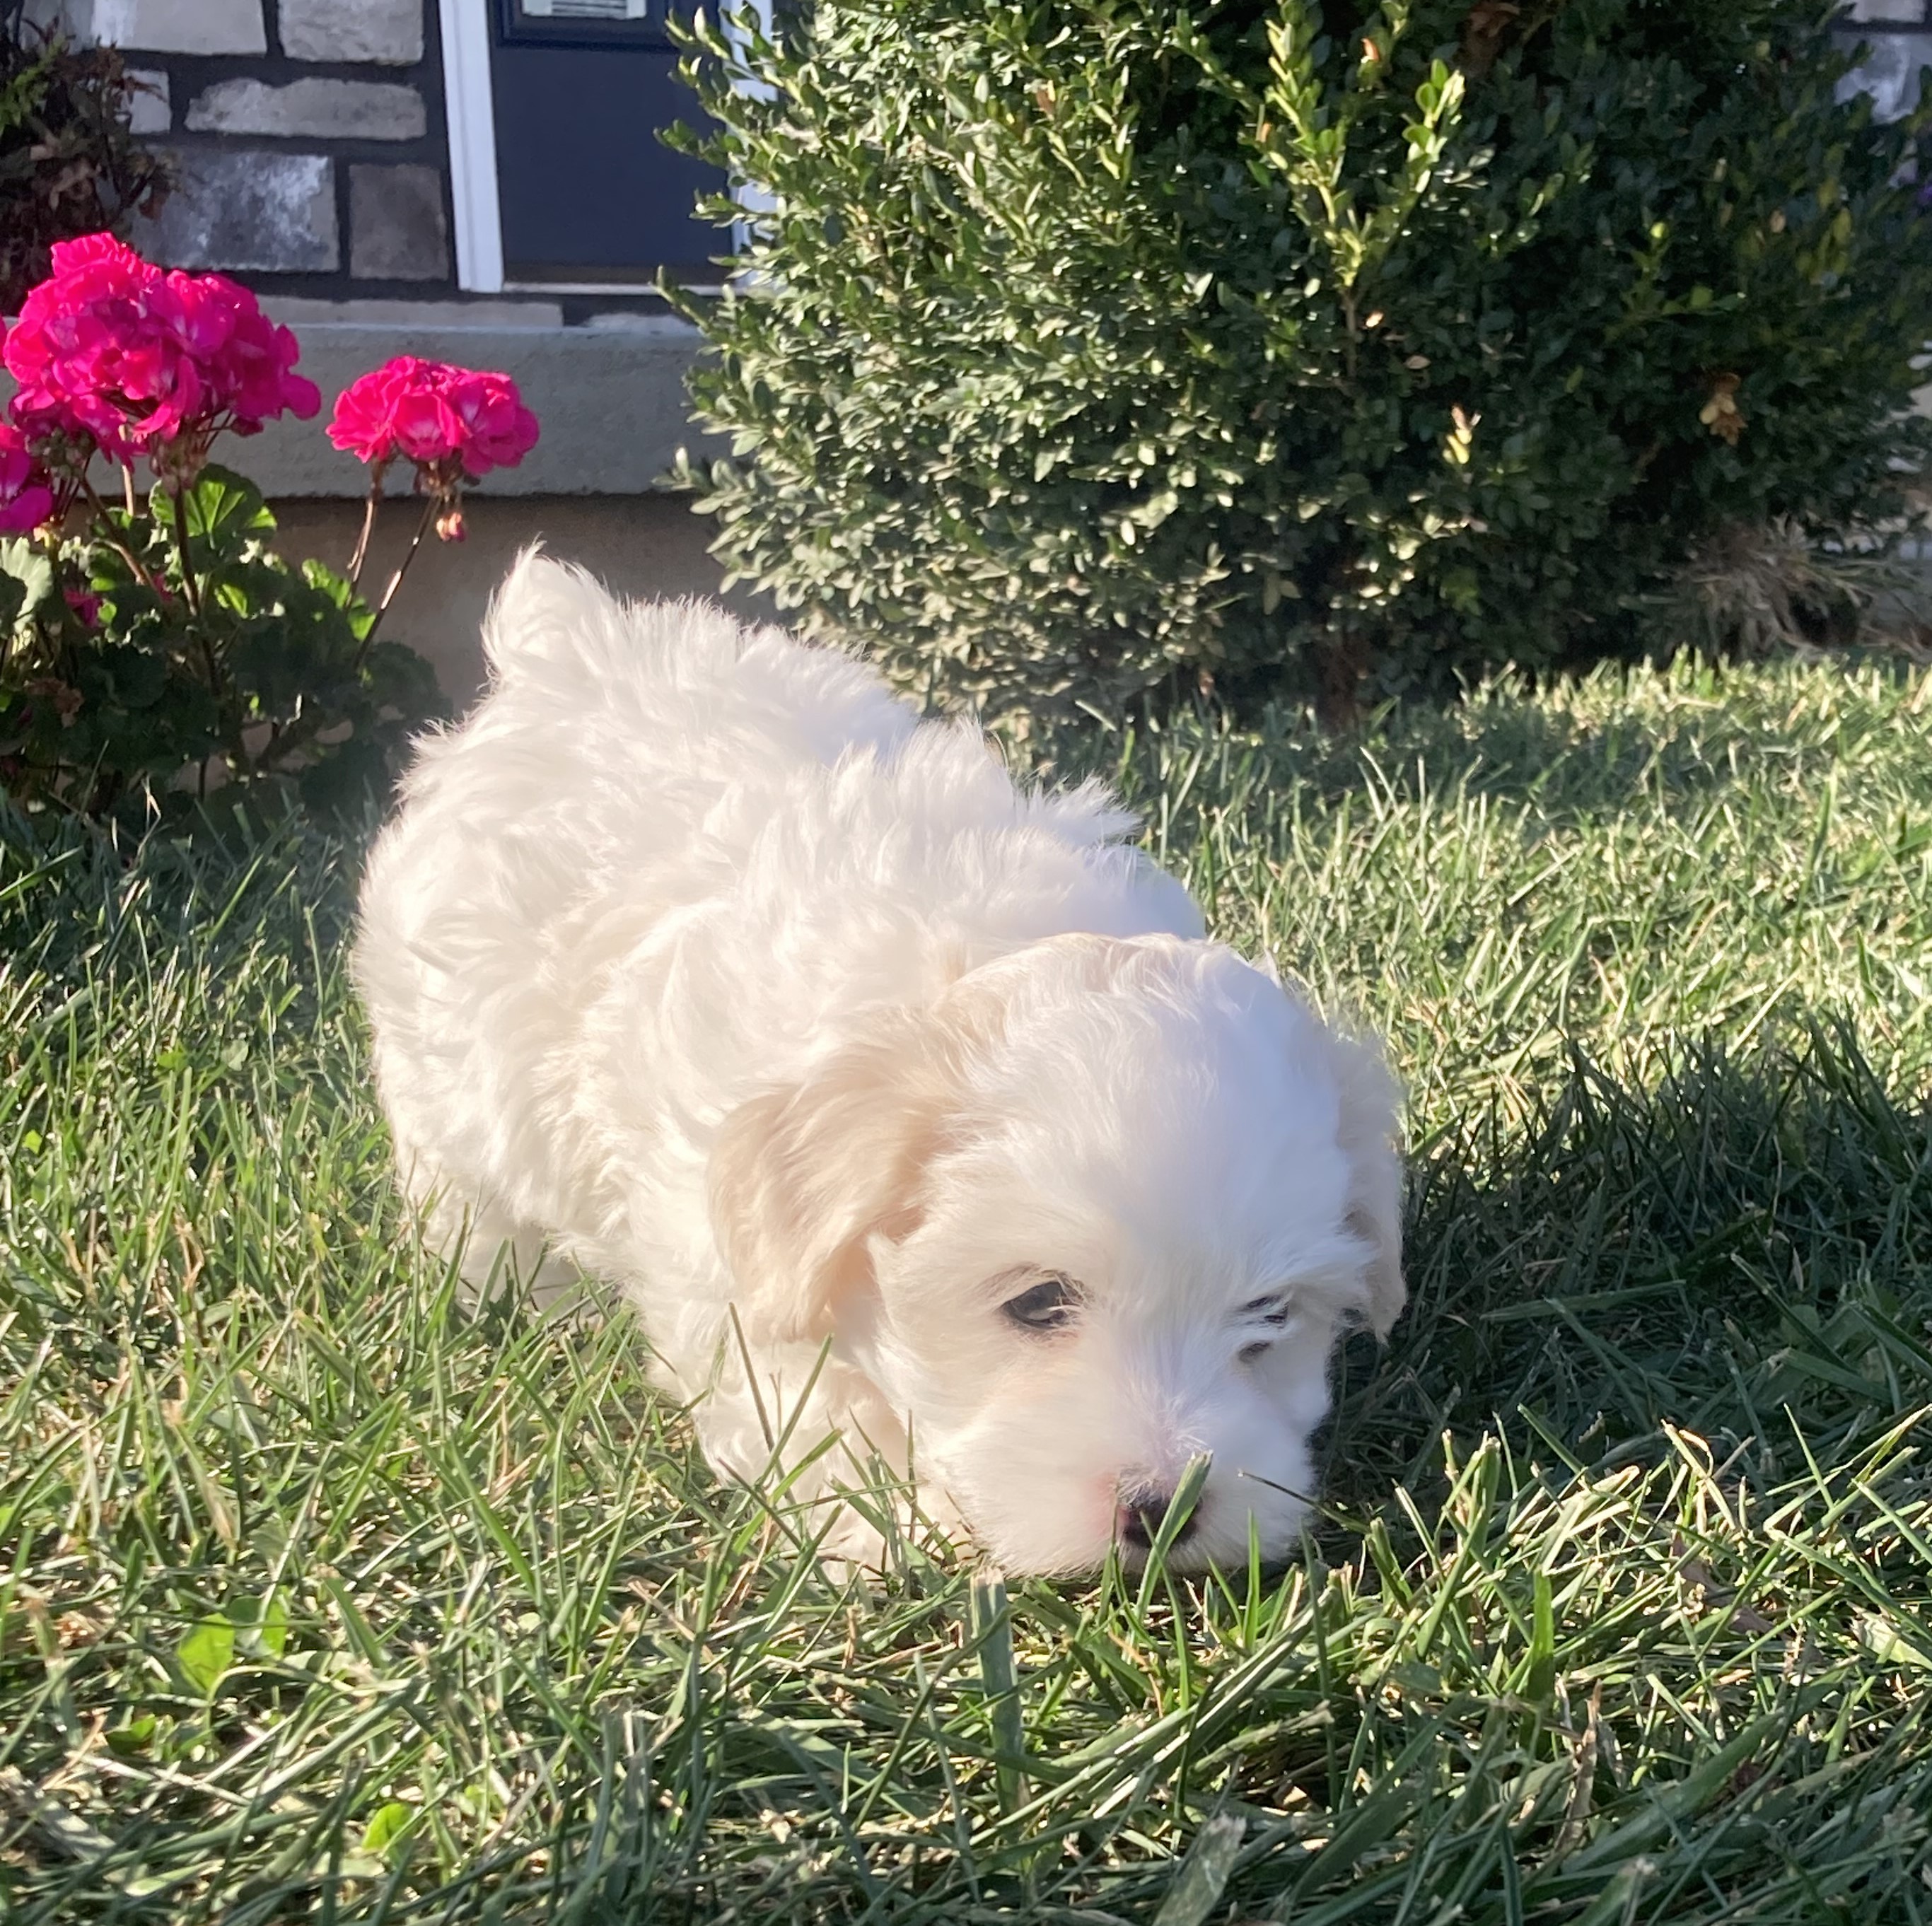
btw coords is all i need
(1050, 1305)
(1265, 1310)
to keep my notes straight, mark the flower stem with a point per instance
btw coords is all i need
(396, 580)
(190, 588)
(102, 525)
(229, 725)
(369, 508)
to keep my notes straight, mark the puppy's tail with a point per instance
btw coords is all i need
(547, 613)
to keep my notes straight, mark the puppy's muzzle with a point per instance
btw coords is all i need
(1140, 1512)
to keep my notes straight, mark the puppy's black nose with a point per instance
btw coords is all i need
(1137, 1518)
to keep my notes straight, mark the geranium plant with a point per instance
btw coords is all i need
(455, 423)
(150, 647)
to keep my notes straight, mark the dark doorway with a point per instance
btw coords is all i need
(587, 192)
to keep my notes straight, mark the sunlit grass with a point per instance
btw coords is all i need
(324, 1599)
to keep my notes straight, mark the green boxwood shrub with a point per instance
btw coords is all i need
(1089, 346)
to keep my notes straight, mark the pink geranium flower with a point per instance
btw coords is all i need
(249, 362)
(26, 499)
(498, 430)
(454, 423)
(362, 424)
(425, 427)
(110, 351)
(431, 413)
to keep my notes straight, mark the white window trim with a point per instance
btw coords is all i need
(470, 112)
(471, 118)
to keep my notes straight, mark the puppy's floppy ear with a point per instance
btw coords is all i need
(803, 1178)
(548, 614)
(1370, 1099)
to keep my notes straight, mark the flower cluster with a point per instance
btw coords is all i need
(429, 413)
(455, 423)
(111, 352)
(253, 668)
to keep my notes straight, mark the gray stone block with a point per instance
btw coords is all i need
(388, 32)
(327, 110)
(396, 230)
(1904, 12)
(149, 110)
(246, 209)
(181, 26)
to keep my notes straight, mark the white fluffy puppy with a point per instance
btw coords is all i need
(693, 956)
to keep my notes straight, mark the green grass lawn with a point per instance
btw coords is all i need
(324, 1600)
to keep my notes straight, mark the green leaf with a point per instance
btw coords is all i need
(991, 1627)
(339, 593)
(26, 584)
(1540, 1669)
(398, 678)
(138, 677)
(224, 509)
(128, 1740)
(261, 1624)
(389, 1828)
(1891, 1646)
(205, 1656)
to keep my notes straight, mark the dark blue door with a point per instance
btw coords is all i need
(586, 191)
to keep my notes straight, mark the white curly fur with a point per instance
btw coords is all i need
(695, 958)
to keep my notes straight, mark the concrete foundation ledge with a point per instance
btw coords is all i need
(609, 399)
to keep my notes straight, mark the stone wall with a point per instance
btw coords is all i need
(306, 136)
(310, 145)
(309, 139)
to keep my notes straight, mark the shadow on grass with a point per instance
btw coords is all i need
(1740, 1246)
(1617, 739)
(1741, 1250)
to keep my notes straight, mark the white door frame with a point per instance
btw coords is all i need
(471, 115)
(470, 112)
